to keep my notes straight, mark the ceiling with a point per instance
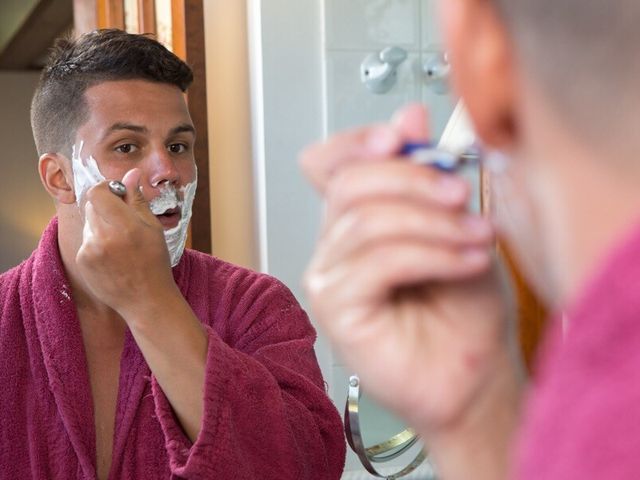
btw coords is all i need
(28, 29)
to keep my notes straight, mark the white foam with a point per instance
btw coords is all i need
(85, 173)
(176, 238)
(167, 200)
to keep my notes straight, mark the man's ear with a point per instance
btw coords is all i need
(481, 54)
(57, 177)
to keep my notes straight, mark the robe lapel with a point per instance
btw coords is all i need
(60, 337)
(134, 383)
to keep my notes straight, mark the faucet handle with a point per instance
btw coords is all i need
(379, 71)
(393, 55)
(437, 71)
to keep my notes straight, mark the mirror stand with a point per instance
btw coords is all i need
(382, 452)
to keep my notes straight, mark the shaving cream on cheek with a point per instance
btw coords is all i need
(176, 237)
(85, 173)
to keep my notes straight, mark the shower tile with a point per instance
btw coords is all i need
(351, 104)
(431, 31)
(372, 24)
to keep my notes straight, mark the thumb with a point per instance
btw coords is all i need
(134, 196)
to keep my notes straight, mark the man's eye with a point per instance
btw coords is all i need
(178, 148)
(126, 148)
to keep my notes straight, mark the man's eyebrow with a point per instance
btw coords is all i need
(125, 126)
(182, 128)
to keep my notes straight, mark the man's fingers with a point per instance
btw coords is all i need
(395, 181)
(379, 223)
(370, 277)
(95, 225)
(116, 210)
(135, 197)
(412, 122)
(320, 161)
(131, 181)
(105, 204)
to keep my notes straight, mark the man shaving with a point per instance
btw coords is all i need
(113, 364)
(404, 279)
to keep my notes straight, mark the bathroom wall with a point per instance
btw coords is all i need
(25, 207)
(356, 28)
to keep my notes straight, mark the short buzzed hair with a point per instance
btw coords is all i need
(584, 54)
(59, 107)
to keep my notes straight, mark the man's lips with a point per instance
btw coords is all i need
(170, 218)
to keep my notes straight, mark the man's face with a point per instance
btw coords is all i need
(145, 125)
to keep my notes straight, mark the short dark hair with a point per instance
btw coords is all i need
(59, 107)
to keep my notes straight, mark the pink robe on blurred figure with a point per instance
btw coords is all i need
(583, 416)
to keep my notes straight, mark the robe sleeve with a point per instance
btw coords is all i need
(266, 412)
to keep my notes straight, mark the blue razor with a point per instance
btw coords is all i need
(424, 153)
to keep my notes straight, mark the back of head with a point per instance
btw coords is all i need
(59, 108)
(584, 55)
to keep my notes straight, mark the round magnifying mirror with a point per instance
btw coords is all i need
(382, 442)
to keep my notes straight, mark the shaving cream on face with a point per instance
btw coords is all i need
(167, 200)
(86, 174)
(176, 237)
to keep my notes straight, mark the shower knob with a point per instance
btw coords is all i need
(379, 71)
(437, 71)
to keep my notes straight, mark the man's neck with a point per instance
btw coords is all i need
(588, 199)
(90, 309)
(601, 209)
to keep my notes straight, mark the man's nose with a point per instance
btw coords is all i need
(162, 167)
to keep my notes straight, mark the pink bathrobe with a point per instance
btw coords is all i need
(266, 416)
(583, 417)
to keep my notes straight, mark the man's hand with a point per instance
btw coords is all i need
(123, 257)
(404, 280)
(125, 263)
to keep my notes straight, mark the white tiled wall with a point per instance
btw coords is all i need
(353, 30)
(349, 101)
(356, 28)
(367, 24)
